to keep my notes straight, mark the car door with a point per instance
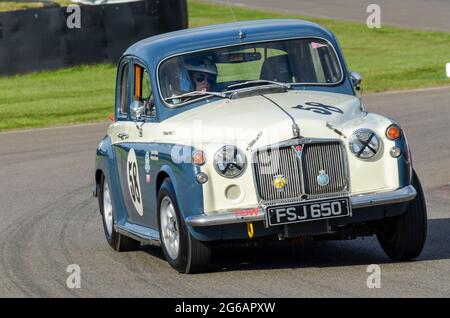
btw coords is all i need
(134, 147)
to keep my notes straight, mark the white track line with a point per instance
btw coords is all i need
(406, 91)
(53, 128)
(418, 90)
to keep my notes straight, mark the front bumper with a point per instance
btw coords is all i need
(256, 214)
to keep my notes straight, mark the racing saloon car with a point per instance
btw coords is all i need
(248, 131)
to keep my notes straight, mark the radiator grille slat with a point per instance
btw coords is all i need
(301, 171)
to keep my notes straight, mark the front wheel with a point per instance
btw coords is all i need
(117, 241)
(403, 237)
(183, 252)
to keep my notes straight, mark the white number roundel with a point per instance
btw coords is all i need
(133, 182)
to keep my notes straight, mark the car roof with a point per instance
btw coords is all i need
(155, 48)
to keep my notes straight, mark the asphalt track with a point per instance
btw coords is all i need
(417, 14)
(49, 220)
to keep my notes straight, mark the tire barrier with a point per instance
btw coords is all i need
(40, 39)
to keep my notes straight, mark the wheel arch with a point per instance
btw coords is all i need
(162, 175)
(189, 194)
(167, 173)
(98, 178)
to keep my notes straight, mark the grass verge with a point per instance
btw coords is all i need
(389, 58)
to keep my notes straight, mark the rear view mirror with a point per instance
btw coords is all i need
(356, 80)
(238, 57)
(136, 110)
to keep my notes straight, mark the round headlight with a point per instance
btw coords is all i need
(230, 162)
(364, 143)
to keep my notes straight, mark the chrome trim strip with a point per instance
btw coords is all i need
(358, 201)
(391, 197)
(229, 217)
(297, 141)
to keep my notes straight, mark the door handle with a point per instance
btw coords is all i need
(123, 135)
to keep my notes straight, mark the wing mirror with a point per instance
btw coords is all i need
(356, 80)
(137, 109)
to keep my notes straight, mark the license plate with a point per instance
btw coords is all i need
(308, 211)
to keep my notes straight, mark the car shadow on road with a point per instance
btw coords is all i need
(154, 251)
(282, 255)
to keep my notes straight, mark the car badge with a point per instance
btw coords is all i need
(298, 150)
(279, 182)
(323, 179)
(147, 162)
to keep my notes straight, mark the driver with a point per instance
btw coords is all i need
(202, 73)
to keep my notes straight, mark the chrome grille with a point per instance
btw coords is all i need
(326, 157)
(278, 162)
(300, 171)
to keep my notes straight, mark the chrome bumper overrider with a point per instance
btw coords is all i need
(256, 214)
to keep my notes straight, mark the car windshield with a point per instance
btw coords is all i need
(301, 61)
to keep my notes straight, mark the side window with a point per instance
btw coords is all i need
(146, 86)
(143, 90)
(325, 64)
(124, 92)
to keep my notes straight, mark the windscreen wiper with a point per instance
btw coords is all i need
(194, 94)
(258, 83)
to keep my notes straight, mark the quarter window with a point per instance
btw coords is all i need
(143, 90)
(124, 91)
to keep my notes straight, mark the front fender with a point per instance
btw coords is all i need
(383, 172)
(105, 163)
(184, 179)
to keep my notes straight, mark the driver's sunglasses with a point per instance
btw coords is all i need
(201, 78)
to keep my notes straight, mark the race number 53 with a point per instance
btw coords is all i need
(133, 182)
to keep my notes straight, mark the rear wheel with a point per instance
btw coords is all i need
(117, 241)
(183, 252)
(403, 237)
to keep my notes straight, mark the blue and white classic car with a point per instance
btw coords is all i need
(249, 131)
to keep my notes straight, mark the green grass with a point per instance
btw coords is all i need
(14, 6)
(78, 94)
(390, 58)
